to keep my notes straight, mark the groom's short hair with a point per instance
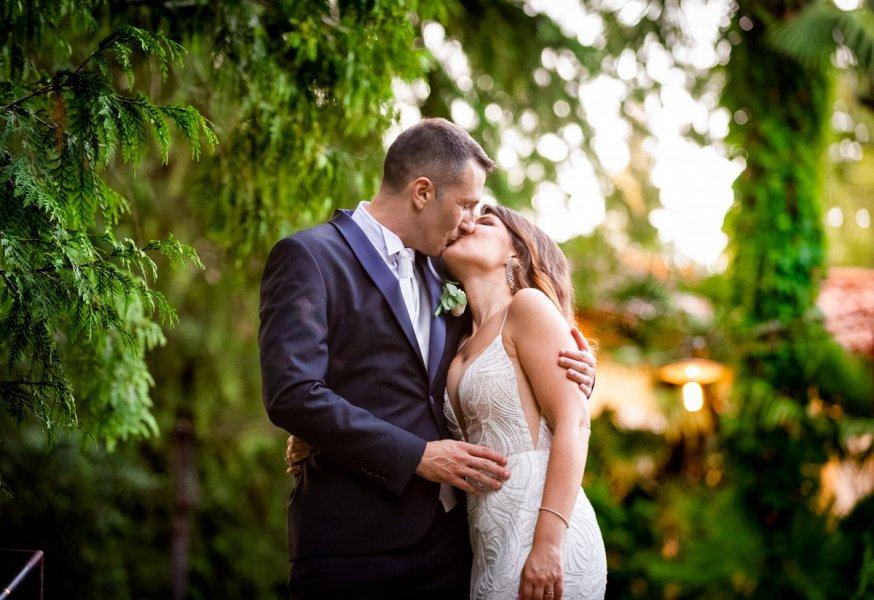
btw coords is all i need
(432, 148)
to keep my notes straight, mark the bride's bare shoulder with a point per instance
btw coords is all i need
(531, 308)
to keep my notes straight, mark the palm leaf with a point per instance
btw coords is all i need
(809, 36)
(812, 36)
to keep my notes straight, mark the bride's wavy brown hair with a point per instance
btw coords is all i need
(539, 262)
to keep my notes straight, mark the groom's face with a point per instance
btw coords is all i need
(454, 214)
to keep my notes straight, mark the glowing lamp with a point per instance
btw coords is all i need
(693, 396)
(692, 374)
(697, 370)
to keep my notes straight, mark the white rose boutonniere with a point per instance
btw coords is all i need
(452, 300)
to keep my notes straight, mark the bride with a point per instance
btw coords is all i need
(537, 537)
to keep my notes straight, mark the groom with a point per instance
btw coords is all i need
(354, 361)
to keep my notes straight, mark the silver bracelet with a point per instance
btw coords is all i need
(557, 514)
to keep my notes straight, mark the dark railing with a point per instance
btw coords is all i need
(36, 558)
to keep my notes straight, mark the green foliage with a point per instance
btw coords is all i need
(622, 469)
(306, 92)
(856, 528)
(241, 524)
(76, 306)
(720, 554)
(29, 29)
(779, 436)
(103, 518)
(94, 495)
(777, 240)
(593, 264)
(724, 554)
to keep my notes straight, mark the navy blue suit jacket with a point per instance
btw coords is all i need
(341, 369)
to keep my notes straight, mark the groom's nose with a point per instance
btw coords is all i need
(467, 225)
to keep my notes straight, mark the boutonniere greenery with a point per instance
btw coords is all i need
(452, 300)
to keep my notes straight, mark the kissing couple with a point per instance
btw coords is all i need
(446, 453)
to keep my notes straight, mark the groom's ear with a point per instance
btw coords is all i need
(422, 191)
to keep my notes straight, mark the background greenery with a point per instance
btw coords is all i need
(98, 161)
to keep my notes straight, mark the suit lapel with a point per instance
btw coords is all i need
(379, 272)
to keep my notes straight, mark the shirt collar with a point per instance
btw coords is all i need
(382, 238)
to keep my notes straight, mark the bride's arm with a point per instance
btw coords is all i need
(538, 331)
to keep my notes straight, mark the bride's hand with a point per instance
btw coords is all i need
(543, 573)
(296, 451)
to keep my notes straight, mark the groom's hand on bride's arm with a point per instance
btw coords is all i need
(474, 469)
(580, 363)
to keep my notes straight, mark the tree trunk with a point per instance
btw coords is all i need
(185, 500)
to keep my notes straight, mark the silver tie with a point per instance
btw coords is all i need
(409, 284)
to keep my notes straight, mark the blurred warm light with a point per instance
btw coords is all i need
(671, 547)
(693, 396)
(847, 303)
(628, 394)
(713, 478)
(698, 370)
(845, 483)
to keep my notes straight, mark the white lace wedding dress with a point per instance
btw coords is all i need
(502, 523)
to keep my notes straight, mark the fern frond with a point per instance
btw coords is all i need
(132, 126)
(192, 124)
(153, 45)
(174, 250)
(159, 129)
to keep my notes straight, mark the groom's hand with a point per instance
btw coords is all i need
(580, 363)
(474, 469)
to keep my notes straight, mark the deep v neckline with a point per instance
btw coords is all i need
(476, 359)
(470, 363)
(493, 354)
(461, 379)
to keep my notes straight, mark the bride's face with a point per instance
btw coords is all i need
(490, 245)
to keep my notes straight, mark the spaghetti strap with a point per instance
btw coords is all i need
(501, 330)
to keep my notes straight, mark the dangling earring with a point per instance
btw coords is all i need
(511, 277)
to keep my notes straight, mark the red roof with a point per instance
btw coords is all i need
(847, 301)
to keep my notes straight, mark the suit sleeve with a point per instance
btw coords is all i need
(293, 343)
